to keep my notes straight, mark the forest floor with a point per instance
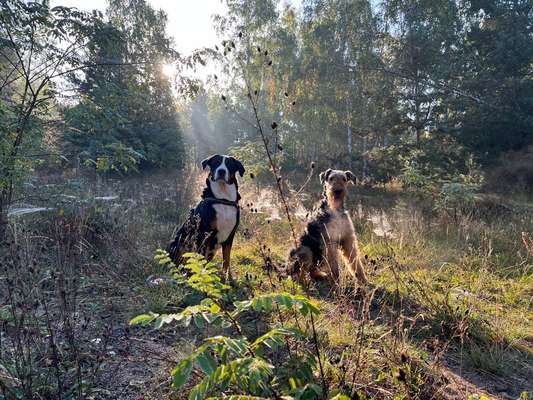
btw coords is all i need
(450, 297)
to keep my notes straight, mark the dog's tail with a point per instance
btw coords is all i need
(180, 245)
(173, 249)
(184, 240)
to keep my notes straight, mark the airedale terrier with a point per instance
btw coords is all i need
(329, 230)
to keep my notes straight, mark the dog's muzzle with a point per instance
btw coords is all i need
(338, 192)
(221, 174)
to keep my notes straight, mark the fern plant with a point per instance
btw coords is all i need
(248, 368)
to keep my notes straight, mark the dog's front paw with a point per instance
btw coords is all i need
(229, 280)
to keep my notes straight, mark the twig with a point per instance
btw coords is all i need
(317, 349)
(273, 165)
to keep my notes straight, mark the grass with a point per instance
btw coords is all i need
(466, 288)
(448, 298)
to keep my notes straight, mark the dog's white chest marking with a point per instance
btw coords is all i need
(226, 220)
(222, 190)
(339, 226)
(226, 214)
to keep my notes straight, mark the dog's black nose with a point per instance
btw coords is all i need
(222, 173)
(337, 191)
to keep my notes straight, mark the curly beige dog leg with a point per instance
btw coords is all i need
(350, 253)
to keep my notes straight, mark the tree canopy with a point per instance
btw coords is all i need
(384, 86)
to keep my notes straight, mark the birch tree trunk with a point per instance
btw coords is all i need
(349, 144)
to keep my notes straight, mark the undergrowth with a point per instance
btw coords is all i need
(241, 363)
(448, 313)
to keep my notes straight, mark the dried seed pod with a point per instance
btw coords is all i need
(401, 375)
(252, 175)
(274, 125)
(312, 165)
(223, 98)
(280, 147)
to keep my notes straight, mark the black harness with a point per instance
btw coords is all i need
(214, 200)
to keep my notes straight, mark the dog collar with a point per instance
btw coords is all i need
(214, 200)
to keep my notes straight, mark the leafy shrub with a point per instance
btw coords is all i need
(453, 194)
(415, 179)
(457, 197)
(114, 157)
(239, 364)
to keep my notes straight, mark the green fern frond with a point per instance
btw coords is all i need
(265, 303)
(275, 338)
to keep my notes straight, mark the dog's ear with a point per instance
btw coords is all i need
(239, 166)
(324, 175)
(208, 161)
(350, 176)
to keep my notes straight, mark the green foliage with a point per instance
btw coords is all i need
(204, 276)
(115, 157)
(251, 154)
(266, 303)
(236, 363)
(126, 119)
(414, 179)
(457, 196)
(39, 45)
(452, 193)
(478, 397)
(433, 80)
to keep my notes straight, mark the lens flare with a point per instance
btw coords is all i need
(168, 70)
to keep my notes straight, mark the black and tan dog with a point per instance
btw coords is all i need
(214, 221)
(329, 230)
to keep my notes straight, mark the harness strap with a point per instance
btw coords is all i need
(214, 200)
